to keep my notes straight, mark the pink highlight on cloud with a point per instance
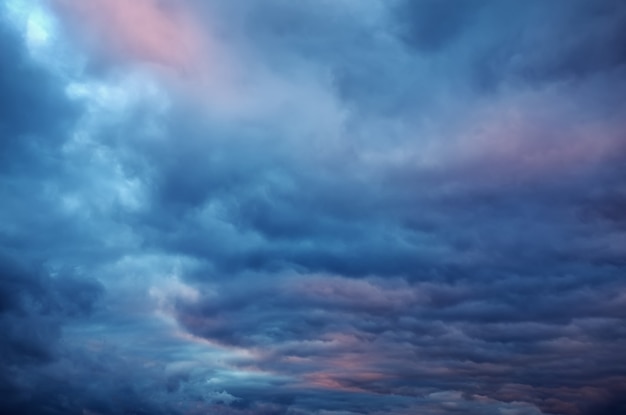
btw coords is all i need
(328, 381)
(527, 145)
(348, 372)
(534, 136)
(356, 294)
(162, 32)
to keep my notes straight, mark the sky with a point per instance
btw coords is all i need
(313, 207)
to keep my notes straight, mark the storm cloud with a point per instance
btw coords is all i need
(313, 208)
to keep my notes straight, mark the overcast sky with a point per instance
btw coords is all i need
(313, 207)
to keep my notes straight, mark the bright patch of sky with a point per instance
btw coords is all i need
(37, 25)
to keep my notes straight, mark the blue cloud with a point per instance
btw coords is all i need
(354, 207)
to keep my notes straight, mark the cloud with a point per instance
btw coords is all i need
(146, 30)
(365, 207)
(33, 308)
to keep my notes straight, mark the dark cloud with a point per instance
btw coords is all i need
(429, 26)
(370, 335)
(34, 306)
(34, 113)
(413, 207)
(531, 43)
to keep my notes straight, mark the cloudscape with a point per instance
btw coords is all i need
(313, 207)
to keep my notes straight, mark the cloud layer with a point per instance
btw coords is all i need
(313, 208)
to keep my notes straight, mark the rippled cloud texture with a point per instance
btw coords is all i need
(313, 207)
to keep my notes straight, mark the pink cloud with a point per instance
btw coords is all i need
(357, 294)
(536, 146)
(156, 31)
(537, 134)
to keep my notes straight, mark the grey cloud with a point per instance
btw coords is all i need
(429, 26)
(455, 245)
(34, 308)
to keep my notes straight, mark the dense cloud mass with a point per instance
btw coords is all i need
(313, 207)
